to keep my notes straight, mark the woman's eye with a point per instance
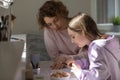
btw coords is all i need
(73, 37)
(49, 25)
(56, 19)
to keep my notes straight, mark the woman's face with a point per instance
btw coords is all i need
(78, 38)
(55, 23)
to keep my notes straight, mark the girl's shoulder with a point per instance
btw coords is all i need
(104, 42)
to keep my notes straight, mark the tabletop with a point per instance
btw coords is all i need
(45, 71)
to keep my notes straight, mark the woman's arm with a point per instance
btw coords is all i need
(50, 44)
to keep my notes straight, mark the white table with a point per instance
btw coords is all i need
(45, 71)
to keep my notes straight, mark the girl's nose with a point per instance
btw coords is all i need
(72, 41)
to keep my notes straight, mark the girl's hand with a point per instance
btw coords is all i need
(72, 64)
(69, 63)
(75, 68)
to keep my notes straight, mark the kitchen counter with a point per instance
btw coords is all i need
(13, 59)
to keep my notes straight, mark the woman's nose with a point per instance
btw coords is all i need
(54, 26)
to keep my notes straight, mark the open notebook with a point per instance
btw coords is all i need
(10, 56)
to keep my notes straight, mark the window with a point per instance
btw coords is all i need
(5, 3)
(105, 10)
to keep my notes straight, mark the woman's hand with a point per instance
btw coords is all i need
(60, 62)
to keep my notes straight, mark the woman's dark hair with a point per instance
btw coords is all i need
(51, 8)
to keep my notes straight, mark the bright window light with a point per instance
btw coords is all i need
(5, 3)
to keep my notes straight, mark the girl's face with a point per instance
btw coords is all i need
(78, 38)
(55, 23)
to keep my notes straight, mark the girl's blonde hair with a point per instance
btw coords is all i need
(83, 22)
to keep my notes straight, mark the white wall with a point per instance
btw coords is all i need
(26, 10)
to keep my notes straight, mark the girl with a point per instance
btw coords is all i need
(103, 50)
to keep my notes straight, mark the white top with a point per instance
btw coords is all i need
(59, 42)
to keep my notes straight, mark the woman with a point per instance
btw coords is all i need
(103, 50)
(53, 18)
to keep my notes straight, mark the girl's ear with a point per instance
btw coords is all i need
(82, 33)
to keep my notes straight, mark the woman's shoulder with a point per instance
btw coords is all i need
(48, 31)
